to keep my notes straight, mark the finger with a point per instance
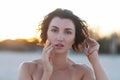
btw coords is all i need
(47, 51)
(85, 50)
(95, 48)
(47, 44)
(47, 48)
(91, 48)
(47, 56)
(90, 40)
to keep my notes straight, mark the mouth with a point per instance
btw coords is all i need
(59, 46)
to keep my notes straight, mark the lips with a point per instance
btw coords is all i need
(59, 46)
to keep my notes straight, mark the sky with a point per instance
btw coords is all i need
(20, 18)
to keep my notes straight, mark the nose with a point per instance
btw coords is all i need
(60, 37)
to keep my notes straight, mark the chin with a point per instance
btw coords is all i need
(59, 51)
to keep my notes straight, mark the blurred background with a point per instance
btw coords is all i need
(19, 33)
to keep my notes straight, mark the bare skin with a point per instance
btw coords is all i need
(54, 64)
(34, 71)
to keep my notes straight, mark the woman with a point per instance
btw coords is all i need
(61, 30)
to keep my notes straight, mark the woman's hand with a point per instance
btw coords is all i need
(92, 54)
(92, 46)
(47, 59)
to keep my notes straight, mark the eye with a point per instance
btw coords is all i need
(54, 30)
(68, 32)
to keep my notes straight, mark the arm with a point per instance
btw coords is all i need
(92, 54)
(47, 61)
(88, 74)
(97, 67)
(24, 72)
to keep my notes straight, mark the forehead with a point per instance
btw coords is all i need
(62, 23)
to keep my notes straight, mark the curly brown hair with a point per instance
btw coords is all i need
(81, 31)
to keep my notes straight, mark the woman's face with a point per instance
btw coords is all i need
(61, 34)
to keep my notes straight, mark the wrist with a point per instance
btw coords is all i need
(93, 58)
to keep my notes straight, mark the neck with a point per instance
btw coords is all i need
(60, 61)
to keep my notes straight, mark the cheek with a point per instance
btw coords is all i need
(70, 41)
(50, 36)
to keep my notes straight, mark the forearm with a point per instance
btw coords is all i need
(97, 67)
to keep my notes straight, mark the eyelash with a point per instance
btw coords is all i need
(54, 30)
(66, 32)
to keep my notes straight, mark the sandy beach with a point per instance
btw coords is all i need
(10, 62)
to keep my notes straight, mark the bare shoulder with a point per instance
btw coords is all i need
(79, 67)
(82, 68)
(27, 70)
(31, 66)
(84, 71)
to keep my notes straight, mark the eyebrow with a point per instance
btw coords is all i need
(65, 28)
(55, 27)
